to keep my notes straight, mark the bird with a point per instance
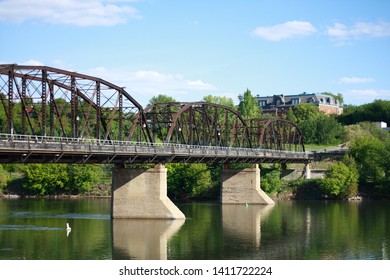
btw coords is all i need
(68, 228)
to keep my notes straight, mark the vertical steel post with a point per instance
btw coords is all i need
(10, 102)
(44, 100)
(98, 112)
(120, 117)
(24, 110)
(52, 108)
(73, 106)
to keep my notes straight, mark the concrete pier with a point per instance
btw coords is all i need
(240, 186)
(142, 194)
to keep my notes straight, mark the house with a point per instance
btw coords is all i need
(280, 104)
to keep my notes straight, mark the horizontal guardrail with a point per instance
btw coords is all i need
(31, 148)
(114, 143)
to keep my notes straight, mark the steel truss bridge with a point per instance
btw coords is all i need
(50, 115)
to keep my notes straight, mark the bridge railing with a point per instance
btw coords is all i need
(115, 143)
(15, 148)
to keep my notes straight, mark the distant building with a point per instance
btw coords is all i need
(383, 125)
(280, 104)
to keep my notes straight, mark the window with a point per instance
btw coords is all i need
(262, 103)
(294, 101)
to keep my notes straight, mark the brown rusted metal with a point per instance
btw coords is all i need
(197, 123)
(56, 102)
(46, 101)
(276, 134)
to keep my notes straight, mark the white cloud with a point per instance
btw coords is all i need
(68, 12)
(361, 96)
(360, 30)
(285, 30)
(355, 80)
(32, 62)
(199, 85)
(143, 85)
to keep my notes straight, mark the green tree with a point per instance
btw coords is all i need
(316, 127)
(306, 111)
(4, 178)
(82, 177)
(270, 181)
(221, 100)
(340, 180)
(43, 179)
(379, 110)
(372, 158)
(161, 98)
(188, 180)
(248, 106)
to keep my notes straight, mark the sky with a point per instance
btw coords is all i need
(193, 48)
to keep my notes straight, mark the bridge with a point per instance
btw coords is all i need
(50, 115)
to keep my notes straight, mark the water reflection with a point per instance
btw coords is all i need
(36, 229)
(143, 239)
(244, 222)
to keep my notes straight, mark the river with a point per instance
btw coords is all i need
(35, 229)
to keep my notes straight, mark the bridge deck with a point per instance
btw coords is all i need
(39, 149)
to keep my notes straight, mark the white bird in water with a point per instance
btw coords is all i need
(68, 229)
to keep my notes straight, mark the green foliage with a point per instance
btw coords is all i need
(82, 177)
(42, 179)
(161, 98)
(373, 160)
(4, 178)
(188, 180)
(248, 107)
(270, 181)
(221, 100)
(306, 111)
(49, 179)
(379, 110)
(316, 127)
(340, 180)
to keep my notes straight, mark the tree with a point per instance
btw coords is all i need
(248, 106)
(372, 157)
(379, 110)
(188, 180)
(161, 98)
(340, 180)
(4, 177)
(270, 180)
(82, 177)
(221, 100)
(316, 127)
(306, 111)
(43, 179)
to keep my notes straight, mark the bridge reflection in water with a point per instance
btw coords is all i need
(148, 239)
(143, 239)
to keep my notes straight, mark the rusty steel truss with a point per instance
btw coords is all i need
(46, 101)
(41, 100)
(206, 124)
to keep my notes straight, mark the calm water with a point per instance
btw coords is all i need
(35, 229)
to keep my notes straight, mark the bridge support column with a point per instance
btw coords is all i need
(240, 186)
(307, 172)
(142, 193)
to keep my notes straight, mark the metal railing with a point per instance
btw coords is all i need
(116, 143)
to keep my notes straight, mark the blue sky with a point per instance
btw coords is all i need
(189, 49)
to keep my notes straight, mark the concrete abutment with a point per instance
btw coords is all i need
(142, 194)
(240, 186)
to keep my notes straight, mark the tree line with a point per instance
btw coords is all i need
(364, 169)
